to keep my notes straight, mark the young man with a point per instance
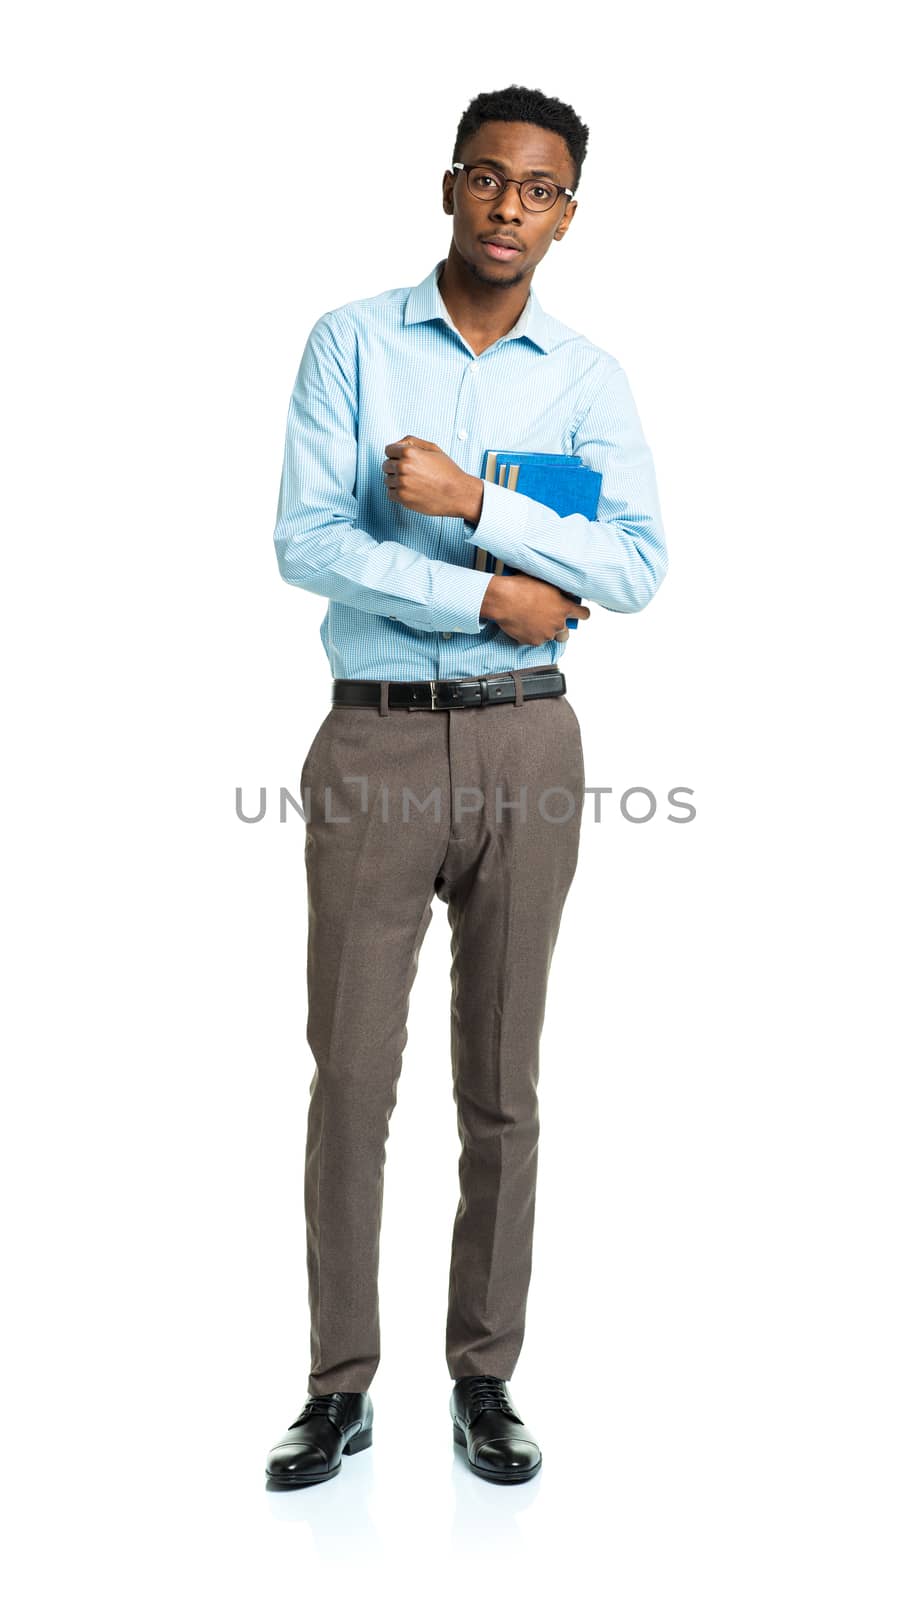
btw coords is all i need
(381, 509)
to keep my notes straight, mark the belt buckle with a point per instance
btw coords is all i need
(456, 695)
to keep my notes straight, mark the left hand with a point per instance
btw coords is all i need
(422, 477)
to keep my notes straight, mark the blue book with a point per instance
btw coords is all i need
(562, 482)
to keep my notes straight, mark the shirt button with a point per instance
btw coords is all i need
(463, 433)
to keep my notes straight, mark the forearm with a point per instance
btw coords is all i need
(470, 511)
(619, 564)
(495, 600)
(347, 565)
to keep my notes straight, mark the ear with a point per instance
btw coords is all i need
(566, 220)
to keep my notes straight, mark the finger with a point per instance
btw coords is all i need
(400, 445)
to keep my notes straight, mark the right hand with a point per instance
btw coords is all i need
(528, 609)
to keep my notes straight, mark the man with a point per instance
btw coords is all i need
(382, 510)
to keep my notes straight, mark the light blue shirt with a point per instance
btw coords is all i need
(404, 595)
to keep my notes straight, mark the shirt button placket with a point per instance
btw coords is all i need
(462, 433)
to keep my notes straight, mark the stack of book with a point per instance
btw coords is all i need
(562, 482)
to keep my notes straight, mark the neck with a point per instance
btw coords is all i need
(481, 309)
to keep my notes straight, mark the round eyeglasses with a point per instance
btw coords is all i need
(536, 194)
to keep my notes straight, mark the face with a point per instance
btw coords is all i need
(513, 150)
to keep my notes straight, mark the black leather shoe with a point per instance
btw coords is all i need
(329, 1427)
(498, 1444)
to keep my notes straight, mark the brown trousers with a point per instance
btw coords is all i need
(392, 817)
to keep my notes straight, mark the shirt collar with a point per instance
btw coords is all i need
(424, 303)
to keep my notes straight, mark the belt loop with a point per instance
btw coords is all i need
(384, 710)
(517, 680)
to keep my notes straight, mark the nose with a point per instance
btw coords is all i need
(508, 203)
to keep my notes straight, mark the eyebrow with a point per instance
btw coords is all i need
(491, 161)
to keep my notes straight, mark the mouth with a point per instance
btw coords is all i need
(501, 249)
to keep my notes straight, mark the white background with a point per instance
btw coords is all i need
(722, 1355)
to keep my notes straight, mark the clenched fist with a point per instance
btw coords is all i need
(422, 477)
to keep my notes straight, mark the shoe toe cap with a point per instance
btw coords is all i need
(507, 1455)
(289, 1460)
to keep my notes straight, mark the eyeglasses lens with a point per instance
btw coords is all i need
(485, 184)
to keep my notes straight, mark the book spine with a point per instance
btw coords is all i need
(510, 480)
(490, 476)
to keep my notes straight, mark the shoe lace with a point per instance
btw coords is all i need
(326, 1405)
(488, 1394)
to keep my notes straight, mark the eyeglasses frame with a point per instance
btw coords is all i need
(468, 166)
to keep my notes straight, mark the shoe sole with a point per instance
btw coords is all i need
(513, 1476)
(302, 1480)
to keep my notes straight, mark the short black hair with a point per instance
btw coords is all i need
(518, 104)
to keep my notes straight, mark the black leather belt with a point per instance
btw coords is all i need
(449, 694)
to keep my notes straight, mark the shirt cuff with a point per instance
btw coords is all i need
(458, 594)
(504, 519)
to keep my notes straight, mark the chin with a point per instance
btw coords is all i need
(501, 274)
